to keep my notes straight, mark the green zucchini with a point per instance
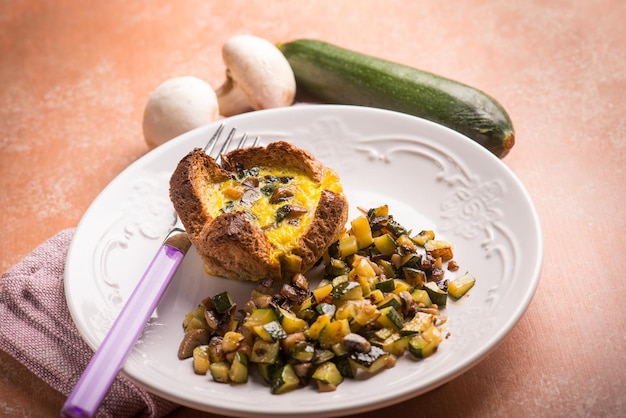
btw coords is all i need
(238, 372)
(220, 371)
(284, 380)
(265, 352)
(331, 74)
(460, 286)
(222, 302)
(436, 294)
(328, 372)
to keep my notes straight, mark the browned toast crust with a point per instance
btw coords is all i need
(230, 245)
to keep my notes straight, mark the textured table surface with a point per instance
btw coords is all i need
(75, 77)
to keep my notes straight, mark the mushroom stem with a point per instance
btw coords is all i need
(231, 99)
(258, 76)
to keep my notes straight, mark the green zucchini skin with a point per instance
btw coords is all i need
(331, 74)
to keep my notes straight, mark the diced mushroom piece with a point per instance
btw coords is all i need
(281, 194)
(191, 340)
(408, 304)
(262, 301)
(289, 212)
(226, 321)
(211, 319)
(250, 196)
(300, 281)
(357, 342)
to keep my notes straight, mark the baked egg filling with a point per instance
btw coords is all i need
(281, 202)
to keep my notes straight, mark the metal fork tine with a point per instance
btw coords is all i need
(226, 144)
(208, 148)
(242, 141)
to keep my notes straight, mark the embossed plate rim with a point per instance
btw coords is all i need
(477, 202)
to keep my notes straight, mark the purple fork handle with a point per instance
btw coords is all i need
(107, 361)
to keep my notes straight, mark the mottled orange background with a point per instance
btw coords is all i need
(75, 76)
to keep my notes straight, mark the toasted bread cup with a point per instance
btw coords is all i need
(266, 212)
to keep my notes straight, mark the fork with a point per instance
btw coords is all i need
(109, 358)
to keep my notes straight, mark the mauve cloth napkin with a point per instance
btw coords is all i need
(37, 330)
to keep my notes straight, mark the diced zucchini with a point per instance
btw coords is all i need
(401, 286)
(388, 269)
(231, 341)
(426, 343)
(352, 322)
(371, 362)
(336, 267)
(195, 319)
(334, 332)
(376, 296)
(303, 352)
(395, 344)
(260, 316)
(290, 264)
(347, 246)
(414, 277)
(347, 310)
(238, 372)
(284, 380)
(361, 230)
(201, 359)
(265, 352)
(347, 290)
(421, 296)
(386, 285)
(306, 304)
(380, 211)
(366, 284)
(266, 370)
(316, 327)
(364, 268)
(385, 244)
(327, 376)
(220, 371)
(407, 243)
(384, 333)
(336, 281)
(272, 331)
(308, 314)
(222, 302)
(345, 366)
(411, 260)
(322, 354)
(390, 318)
(423, 237)
(322, 292)
(459, 286)
(436, 295)
(290, 322)
(326, 308)
(339, 348)
(439, 248)
(418, 324)
(390, 299)
(366, 314)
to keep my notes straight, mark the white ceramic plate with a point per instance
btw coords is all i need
(430, 176)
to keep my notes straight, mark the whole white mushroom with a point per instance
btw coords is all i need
(258, 76)
(176, 106)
